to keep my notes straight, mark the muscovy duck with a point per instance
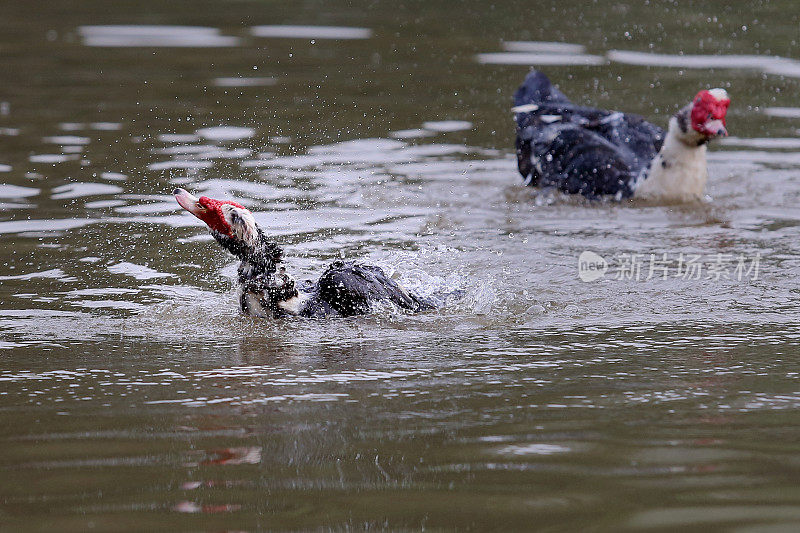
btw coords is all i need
(344, 289)
(594, 152)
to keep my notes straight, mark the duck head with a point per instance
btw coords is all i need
(234, 228)
(704, 118)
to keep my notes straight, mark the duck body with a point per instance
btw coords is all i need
(596, 152)
(344, 289)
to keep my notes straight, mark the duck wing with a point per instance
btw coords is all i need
(352, 288)
(579, 149)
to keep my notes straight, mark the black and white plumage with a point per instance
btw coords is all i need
(344, 289)
(594, 152)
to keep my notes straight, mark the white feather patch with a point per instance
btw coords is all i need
(241, 222)
(549, 119)
(719, 94)
(295, 304)
(526, 108)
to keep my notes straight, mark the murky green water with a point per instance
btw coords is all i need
(134, 397)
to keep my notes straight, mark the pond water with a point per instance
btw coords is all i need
(133, 396)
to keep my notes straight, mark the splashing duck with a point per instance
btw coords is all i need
(267, 290)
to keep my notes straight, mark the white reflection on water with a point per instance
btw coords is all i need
(548, 53)
(102, 204)
(532, 449)
(51, 158)
(543, 46)
(767, 142)
(183, 165)
(183, 149)
(113, 176)
(539, 58)
(769, 64)
(54, 273)
(139, 272)
(78, 190)
(160, 36)
(226, 188)
(18, 226)
(66, 139)
(457, 209)
(244, 82)
(411, 133)
(105, 126)
(176, 137)
(782, 112)
(17, 191)
(756, 157)
(311, 32)
(110, 304)
(447, 125)
(226, 133)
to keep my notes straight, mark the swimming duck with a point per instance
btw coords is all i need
(594, 152)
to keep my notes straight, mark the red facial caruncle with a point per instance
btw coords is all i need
(708, 112)
(213, 215)
(206, 209)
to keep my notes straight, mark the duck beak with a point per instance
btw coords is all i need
(188, 202)
(715, 128)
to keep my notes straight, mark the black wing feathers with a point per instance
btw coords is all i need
(579, 149)
(352, 288)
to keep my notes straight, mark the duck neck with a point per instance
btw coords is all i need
(261, 256)
(679, 171)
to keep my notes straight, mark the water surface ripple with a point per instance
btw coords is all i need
(133, 396)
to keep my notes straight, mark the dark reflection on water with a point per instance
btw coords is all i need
(133, 396)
